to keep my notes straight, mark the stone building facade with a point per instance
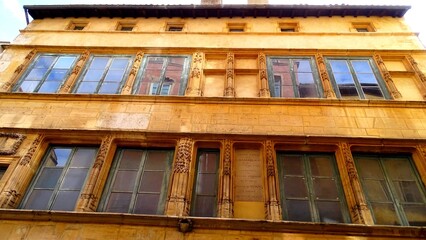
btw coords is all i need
(213, 122)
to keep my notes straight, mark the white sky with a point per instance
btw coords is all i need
(12, 17)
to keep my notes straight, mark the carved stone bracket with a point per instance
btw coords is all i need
(225, 208)
(26, 159)
(230, 76)
(263, 77)
(387, 77)
(273, 208)
(18, 71)
(10, 149)
(127, 88)
(66, 87)
(419, 74)
(325, 79)
(196, 75)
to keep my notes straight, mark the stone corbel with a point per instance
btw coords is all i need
(7, 86)
(230, 76)
(263, 76)
(66, 87)
(178, 202)
(325, 79)
(387, 77)
(196, 75)
(225, 208)
(418, 73)
(127, 88)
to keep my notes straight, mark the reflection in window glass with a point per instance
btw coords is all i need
(46, 74)
(60, 179)
(138, 182)
(205, 190)
(310, 188)
(162, 75)
(104, 74)
(293, 78)
(394, 193)
(355, 79)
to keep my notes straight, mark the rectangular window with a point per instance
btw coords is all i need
(175, 27)
(293, 78)
(77, 26)
(46, 74)
(356, 78)
(162, 75)
(288, 26)
(363, 27)
(237, 27)
(394, 193)
(204, 198)
(125, 27)
(138, 181)
(2, 171)
(60, 179)
(104, 74)
(310, 188)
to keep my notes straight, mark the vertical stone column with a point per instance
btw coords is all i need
(178, 202)
(351, 184)
(419, 74)
(196, 75)
(127, 88)
(21, 176)
(230, 76)
(273, 208)
(387, 77)
(263, 76)
(225, 207)
(69, 83)
(7, 86)
(325, 79)
(420, 161)
(92, 191)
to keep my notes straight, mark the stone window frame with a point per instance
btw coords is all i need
(380, 81)
(237, 27)
(314, 68)
(175, 27)
(362, 27)
(78, 25)
(288, 27)
(126, 26)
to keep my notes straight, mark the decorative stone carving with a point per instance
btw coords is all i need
(416, 68)
(26, 159)
(225, 209)
(350, 166)
(263, 77)
(11, 149)
(7, 86)
(328, 90)
(387, 77)
(269, 158)
(127, 88)
(230, 76)
(273, 208)
(184, 153)
(103, 151)
(12, 196)
(196, 75)
(227, 157)
(74, 73)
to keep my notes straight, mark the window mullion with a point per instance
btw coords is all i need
(138, 180)
(114, 170)
(293, 78)
(356, 81)
(309, 181)
(162, 75)
(102, 79)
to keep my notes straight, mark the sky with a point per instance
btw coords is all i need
(12, 17)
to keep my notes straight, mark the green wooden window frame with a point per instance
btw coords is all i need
(204, 196)
(138, 181)
(307, 193)
(104, 74)
(295, 87)
(60, 179)
(393, 189)
(364, 80)
(47, 73)
(161, 82)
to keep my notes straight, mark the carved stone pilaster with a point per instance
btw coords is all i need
(387, 77)
(263, 77)
(419, 74)
(127, 88)
(325, 79)
(66, 87)
(273, 208)
(178, 202)
(10, 150)
(196, 75)
(230, 76)
(225, 208)
(17, 73)
(91, 193)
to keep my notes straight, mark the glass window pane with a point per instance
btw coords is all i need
(416, 214)
(367, 79)
(373, 92)
(377, 191)
(295, 187)
(292, 165)
(36, 74)
(321, 166)
(301, 65)
(204, 206)
(48, 178)
(385, 214)
(109, 88)
(329, 212)
(64, 62)
(398, 169)
(156, 160)
(339, 66)
(130, 159)
(369, 168)
(28, 86)
(206, 184)
(44, 61)
(87, 87)
(93, 75)
(151, 181)
(49, 87)
(83, 157)
(408, 191)
(120, 63)
(361, 66)
(66, 200)
(308, 91)
(119, 202)
(38, 199)
(59, 157)
(147, 203)
(298, 210)
(74, 179)
(344, 79)
(56, 75)
(325, 188)
(99, 62)
(114, 75)
(124, 181)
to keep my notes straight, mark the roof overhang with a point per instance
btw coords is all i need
(216, 11)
